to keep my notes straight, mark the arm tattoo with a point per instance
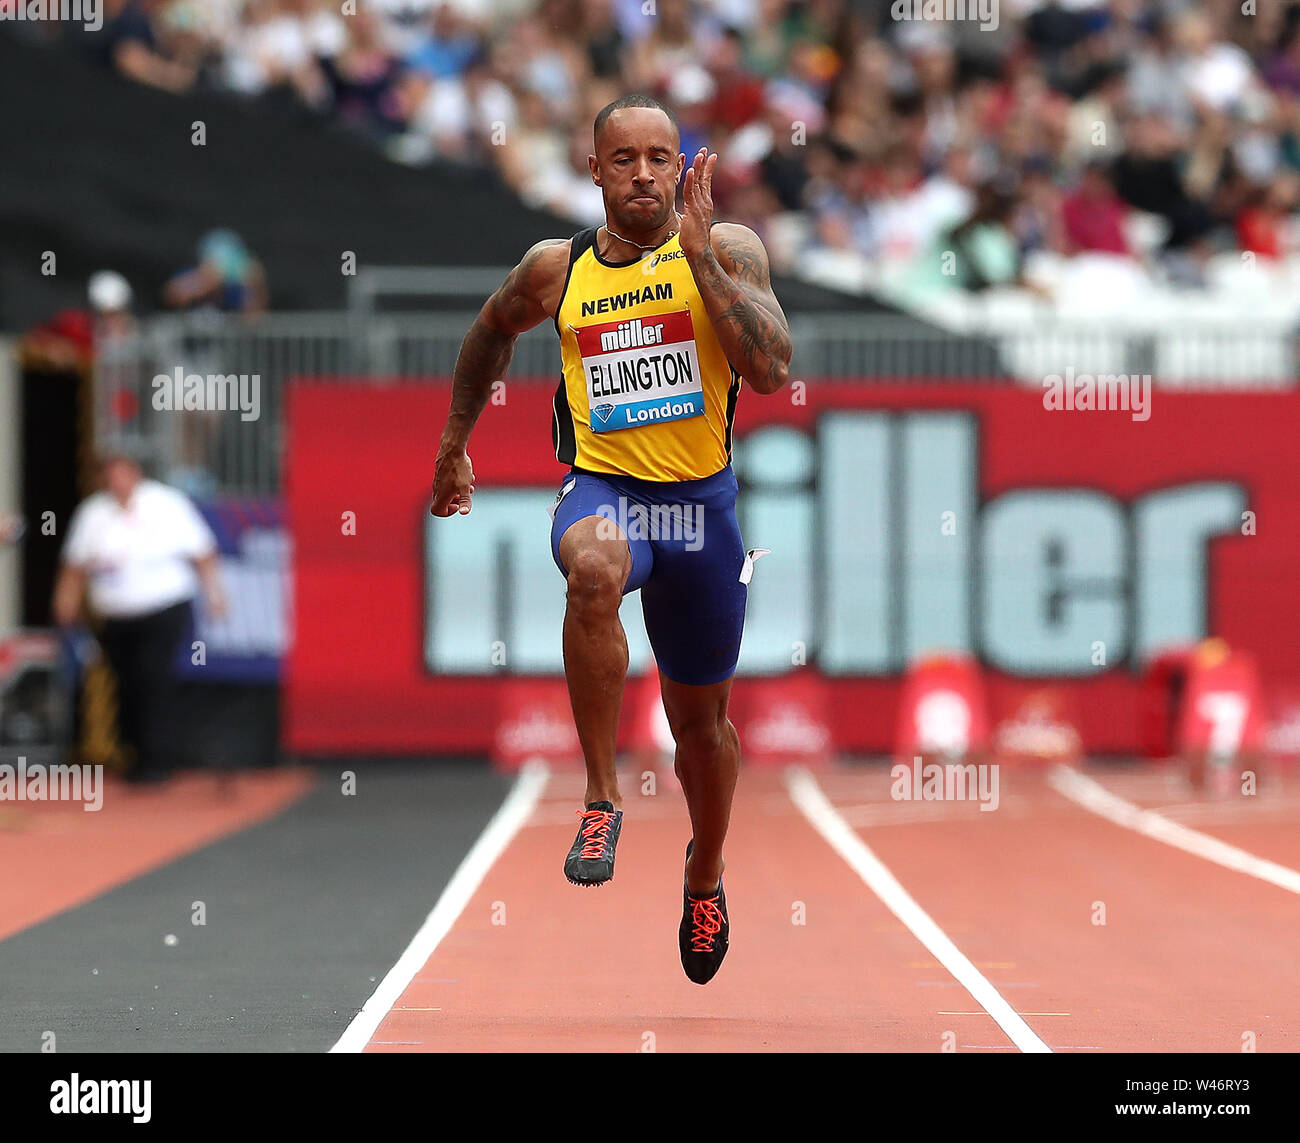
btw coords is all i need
(746, 261)
(761, 338)
(489, 345)
(484, 356)
(756, 339)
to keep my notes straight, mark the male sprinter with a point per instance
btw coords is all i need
(660, 316)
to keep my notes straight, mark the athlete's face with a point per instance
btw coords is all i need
(637, 166)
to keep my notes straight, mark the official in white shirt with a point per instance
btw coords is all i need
(137, 553)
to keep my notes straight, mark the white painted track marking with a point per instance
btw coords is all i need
(464, 883)
(826, 820)
(1095, 797)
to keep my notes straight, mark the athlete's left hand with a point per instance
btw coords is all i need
(697, 197)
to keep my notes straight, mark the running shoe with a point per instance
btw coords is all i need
(704, 931)
(591, 860)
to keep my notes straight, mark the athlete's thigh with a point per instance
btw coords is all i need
(694, 602)
(584, 518)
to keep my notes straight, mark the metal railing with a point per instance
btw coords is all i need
(206, 452)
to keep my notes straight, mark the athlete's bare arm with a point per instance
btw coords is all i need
(528, 296)
(731, 270)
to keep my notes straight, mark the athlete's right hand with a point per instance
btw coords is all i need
(453, 484)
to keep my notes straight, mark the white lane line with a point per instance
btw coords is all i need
(825, 819)
(1095, 797)
(505, 823)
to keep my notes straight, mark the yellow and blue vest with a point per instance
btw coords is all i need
(647, 390)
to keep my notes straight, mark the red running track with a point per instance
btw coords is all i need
(1190, 957)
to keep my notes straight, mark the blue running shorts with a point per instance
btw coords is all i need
(687, 562)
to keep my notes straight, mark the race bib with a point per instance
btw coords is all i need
(641, 371)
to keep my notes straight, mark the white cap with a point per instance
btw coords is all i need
(109, 291)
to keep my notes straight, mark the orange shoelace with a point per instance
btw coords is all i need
(595, 831)
(707, 918)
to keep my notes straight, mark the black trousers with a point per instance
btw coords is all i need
(142, 652)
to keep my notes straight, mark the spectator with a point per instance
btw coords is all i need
(1094, 215)
(363, 78)
(1261, 223)
(227, 278)
(1150, 176)
(738, 93)
(852, 121)
(129, 43)
(1282, 72)
(1038, 223)
(446, 48)
(670, 46)
(137, 552)
(606, 43)
(280, 45)
(976, 254)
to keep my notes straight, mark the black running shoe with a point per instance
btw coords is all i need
(703, 933)
(591, 860)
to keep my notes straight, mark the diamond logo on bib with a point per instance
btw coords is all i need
(641, 371)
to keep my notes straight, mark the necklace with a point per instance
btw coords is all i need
(637, 244)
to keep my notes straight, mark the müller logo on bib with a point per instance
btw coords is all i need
(641, 371)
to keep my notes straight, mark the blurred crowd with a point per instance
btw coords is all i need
(870, 147)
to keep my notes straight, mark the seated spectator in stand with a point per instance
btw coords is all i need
(1149, 175)
(458, 119)
(280, 45)
(606, 43)
(1282, 73)
(403, 22)
(1261, 224)
(977, 254)
(364, 78)
(447, 48)
(1038, 222)
(1194, 106)
(227, 278)
(739, 93)
(129, 43)
(1094, 215)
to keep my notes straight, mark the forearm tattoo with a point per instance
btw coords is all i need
(745, 325)
(484, 357)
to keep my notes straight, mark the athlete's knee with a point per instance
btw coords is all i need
(704, 737)
(596, 578)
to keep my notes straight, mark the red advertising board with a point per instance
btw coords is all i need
(1055, 546)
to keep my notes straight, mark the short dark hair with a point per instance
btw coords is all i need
(633, 100)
